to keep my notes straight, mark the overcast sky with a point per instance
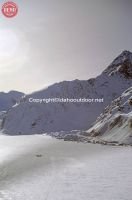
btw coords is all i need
(55, 40)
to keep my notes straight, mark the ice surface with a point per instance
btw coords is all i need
(64, 171)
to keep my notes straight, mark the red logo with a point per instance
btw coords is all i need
(10, 9)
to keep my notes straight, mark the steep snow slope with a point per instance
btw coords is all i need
(29, 118)
(7, 100)
(115, 124)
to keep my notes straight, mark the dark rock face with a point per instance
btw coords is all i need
(126, 69)
(122, 65)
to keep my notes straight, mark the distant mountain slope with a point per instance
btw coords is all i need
(29, 118)
(115, 124)
(7, 100)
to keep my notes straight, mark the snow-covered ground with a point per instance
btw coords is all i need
(39, 167)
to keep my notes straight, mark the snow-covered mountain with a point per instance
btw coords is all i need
(114, 125)
(29, 118)
(7, 100)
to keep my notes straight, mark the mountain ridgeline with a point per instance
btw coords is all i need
(7, 100)
(36, 118)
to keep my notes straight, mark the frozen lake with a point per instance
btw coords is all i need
(42, 168)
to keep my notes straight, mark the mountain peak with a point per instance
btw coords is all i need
(122, 64)
(125, 55)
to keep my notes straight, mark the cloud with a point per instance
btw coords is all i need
(63, 40)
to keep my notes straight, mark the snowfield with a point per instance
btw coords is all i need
(39, 167)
